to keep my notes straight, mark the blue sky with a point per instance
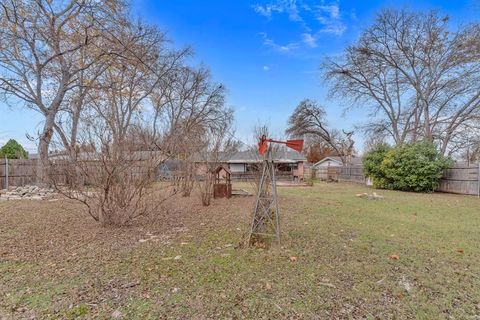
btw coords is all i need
(267, 53)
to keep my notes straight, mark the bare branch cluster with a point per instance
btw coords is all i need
(118, 101)
(308, 120)
(216, 148)
(418, 79)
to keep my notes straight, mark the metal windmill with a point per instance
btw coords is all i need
(266, 215)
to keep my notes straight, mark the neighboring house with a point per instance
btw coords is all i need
(325, 168)
(334, 161)
(246, 164)
(329, 162)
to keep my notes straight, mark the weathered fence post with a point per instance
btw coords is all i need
(478, 181)
(6, 172)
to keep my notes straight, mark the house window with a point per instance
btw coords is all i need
(251, 167)
(285, 167)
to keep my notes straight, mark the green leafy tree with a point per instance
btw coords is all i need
(13, 150)
(372, 162)
(408, 167)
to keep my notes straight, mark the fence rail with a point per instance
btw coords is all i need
(17, 172)
(459, 178)
(248, 176)
(351, 173)
(463, 179)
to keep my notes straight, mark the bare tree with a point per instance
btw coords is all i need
(125, 155)
(41, 45)
(143, 109)
(418, 79)
(187, 108)
(68, 119)
(308, 118)
(218, 145)
(115, 183)
(472, 153)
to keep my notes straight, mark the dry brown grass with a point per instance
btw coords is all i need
(335, 260)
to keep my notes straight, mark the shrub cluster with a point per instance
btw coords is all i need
(408, 167)
(13, 150)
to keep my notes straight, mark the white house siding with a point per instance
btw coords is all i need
(237, 167)
(321, 169)
(329, 163)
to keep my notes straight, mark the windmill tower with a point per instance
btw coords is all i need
(266, 215)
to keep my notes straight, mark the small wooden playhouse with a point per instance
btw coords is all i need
(222, 187)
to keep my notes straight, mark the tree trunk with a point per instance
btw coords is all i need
(43, 146)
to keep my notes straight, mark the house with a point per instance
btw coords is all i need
(334, 161)
(245, 165)
(325, 169)
(329, 162)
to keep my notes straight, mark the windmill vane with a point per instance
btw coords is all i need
(296, 145)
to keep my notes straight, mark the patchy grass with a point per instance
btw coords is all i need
(406, 256)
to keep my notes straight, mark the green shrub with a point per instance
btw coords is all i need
(408, 167)
(372, 162)
(13, 150)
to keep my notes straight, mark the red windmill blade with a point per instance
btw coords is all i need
(293, 144)
(263, 145)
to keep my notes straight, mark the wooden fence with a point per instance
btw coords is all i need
(459, 178)
(322, 173)
(17, 172)
(249, 176)
(351, 173)
(463, 179)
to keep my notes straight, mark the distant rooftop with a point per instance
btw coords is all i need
(353, 161)
(281, 155)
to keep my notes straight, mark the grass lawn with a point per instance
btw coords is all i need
(407, 256)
